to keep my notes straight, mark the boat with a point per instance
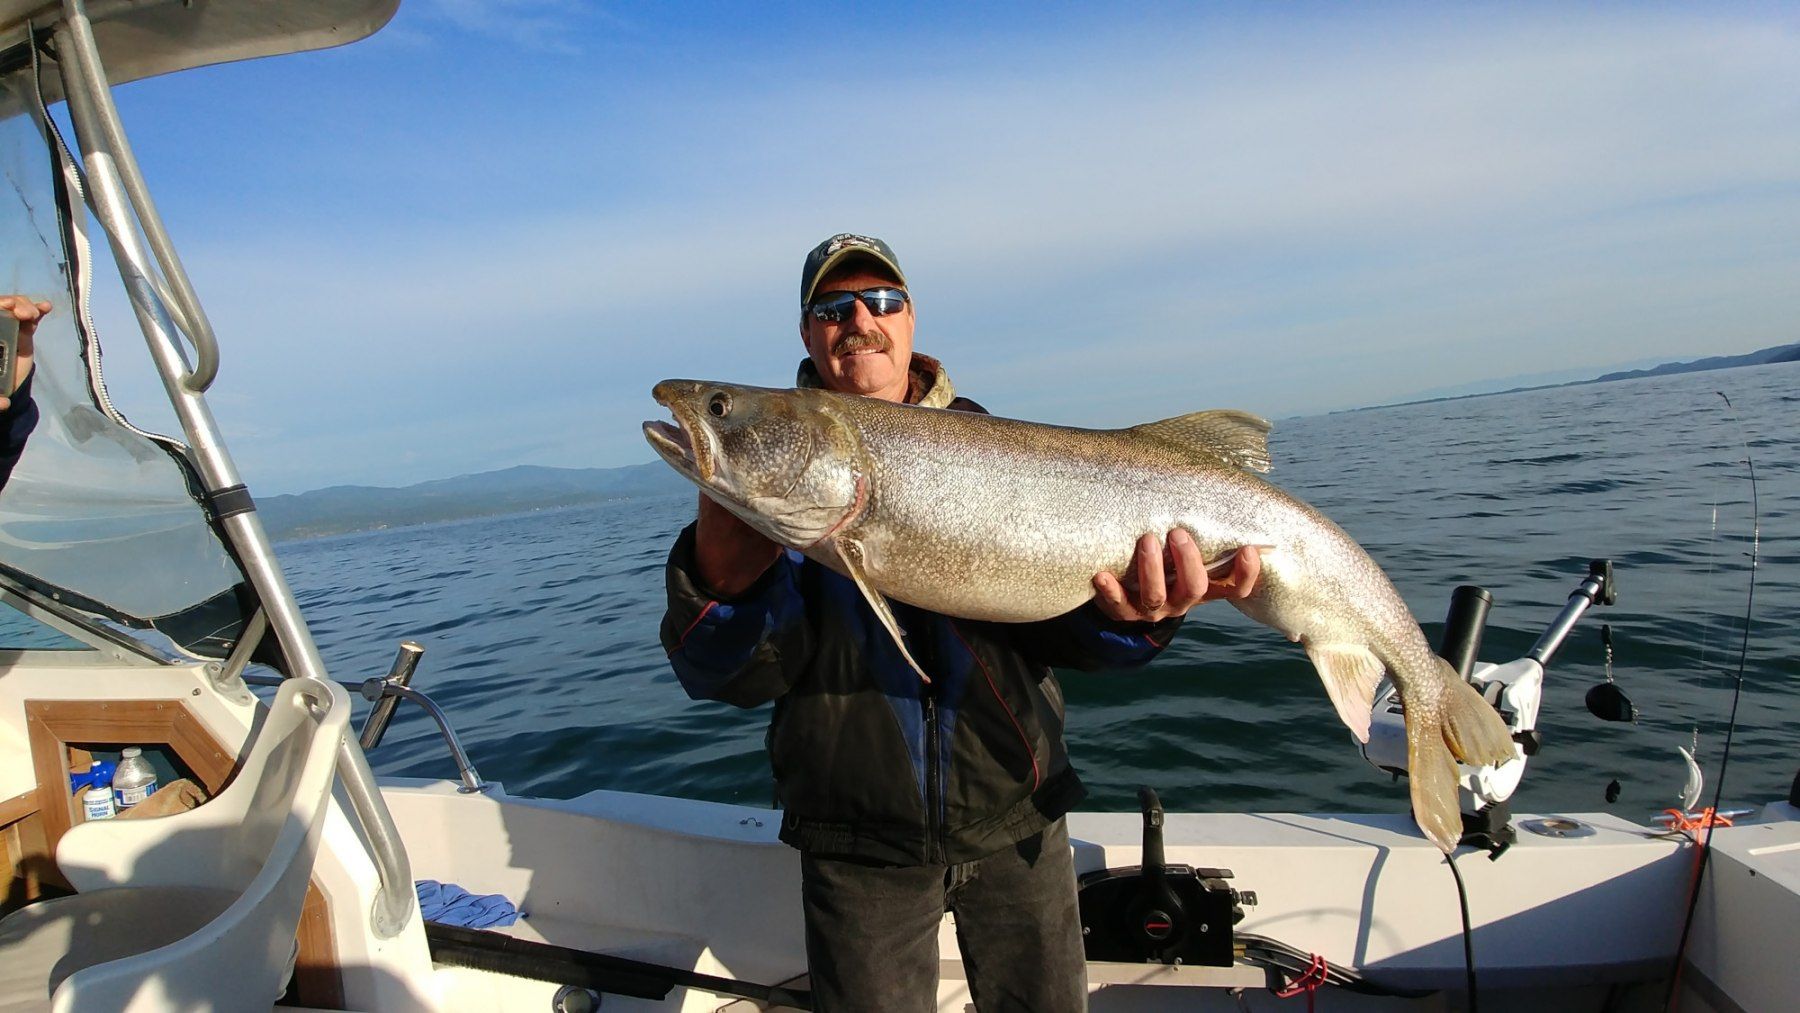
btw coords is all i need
(145, 605)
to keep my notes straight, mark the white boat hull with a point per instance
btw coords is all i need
(708, 887)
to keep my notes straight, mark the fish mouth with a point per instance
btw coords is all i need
(672, 444)
(687, 446)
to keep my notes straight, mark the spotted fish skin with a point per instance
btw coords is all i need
(1003, 520)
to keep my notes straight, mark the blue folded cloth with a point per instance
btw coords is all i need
(449, 904)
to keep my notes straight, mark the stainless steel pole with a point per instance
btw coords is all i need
(105, 154)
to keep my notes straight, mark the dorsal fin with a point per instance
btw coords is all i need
(1239, 439)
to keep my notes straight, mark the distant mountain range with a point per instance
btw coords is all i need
(1779, 353)
(347, 508)
(1761, 357)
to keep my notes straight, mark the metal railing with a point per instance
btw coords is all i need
(121, 203)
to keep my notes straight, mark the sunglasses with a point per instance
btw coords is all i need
(836, 307)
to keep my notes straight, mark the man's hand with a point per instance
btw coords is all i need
(730, 554)
(1162, 584)
(27, 313)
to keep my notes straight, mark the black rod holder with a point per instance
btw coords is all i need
(1463, 626)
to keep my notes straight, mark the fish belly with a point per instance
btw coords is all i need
(1024, 544)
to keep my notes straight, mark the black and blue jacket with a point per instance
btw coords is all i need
(869, 761)
(16, 423)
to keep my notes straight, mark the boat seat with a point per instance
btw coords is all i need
(194, 910)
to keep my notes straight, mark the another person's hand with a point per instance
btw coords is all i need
(729, 554)
(1164, 584)
(27, 313)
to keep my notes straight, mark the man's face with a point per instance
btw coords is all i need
(863, 353)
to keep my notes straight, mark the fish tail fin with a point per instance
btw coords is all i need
(1470, 731)
(1472, 727)
(1431, 772)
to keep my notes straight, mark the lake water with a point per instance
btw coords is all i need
(541, 628)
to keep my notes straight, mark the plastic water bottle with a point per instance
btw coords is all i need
(97, 802)
(134, 781)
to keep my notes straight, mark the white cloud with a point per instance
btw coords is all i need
(1284, 216)
(548, 26)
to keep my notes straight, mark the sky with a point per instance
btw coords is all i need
(478, 238)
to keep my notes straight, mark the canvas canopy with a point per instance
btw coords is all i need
(144, 38)
(100, 515)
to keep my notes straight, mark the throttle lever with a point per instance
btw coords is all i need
(1151, 807)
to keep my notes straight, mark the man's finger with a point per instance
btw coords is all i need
(1152, 591)
(1234, 574)
(1189, 586)
(1109, 597)
(1246, 570)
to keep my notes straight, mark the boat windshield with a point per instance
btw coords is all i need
(99, 516)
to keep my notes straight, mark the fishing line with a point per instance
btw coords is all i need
(1737, 692)
(1712, 565)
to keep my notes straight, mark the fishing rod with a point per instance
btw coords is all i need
(1708, 822)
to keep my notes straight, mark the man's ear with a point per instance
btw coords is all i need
(803, 342)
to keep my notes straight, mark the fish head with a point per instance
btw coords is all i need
(786, 461)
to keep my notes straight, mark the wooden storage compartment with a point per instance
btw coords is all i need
(27, 871)
(61, 733)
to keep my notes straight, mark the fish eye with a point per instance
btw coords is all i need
(719, 405)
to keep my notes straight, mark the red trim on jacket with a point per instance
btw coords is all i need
(690, 629)
(1037, 776)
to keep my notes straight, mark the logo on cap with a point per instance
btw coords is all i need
(840, 241)
(834, 250)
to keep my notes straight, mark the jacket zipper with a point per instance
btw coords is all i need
(933, 832)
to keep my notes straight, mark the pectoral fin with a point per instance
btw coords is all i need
(850, 553)
(1350, 673)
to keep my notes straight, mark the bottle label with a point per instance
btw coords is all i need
(98, 805)
(132, 796)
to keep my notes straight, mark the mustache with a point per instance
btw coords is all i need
(860, 341)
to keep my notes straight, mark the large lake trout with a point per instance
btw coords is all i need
(995, 519)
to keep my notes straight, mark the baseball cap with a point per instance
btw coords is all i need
(839, 248)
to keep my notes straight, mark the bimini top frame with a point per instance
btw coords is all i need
(149, 38)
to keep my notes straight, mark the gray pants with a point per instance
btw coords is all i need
(871, 930)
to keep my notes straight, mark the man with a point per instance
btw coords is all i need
(18, 414)
(908, 799)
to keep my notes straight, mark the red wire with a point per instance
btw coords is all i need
(1308, 981)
